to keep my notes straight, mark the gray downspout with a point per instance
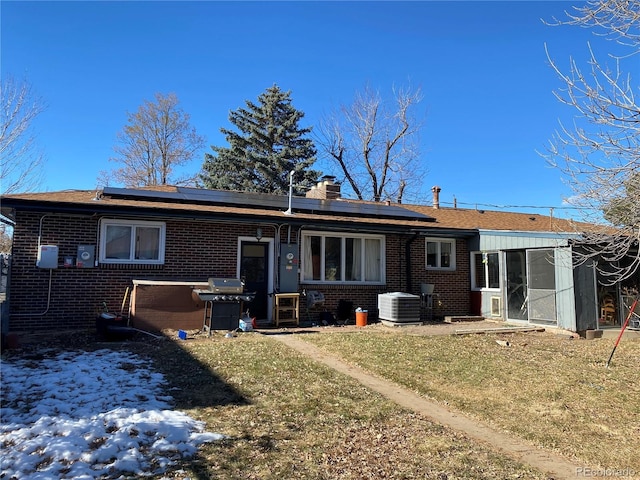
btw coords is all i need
(407, 252)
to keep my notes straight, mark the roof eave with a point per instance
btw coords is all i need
(101, 208)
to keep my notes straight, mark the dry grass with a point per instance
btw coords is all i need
(552, 391)
(289, 417)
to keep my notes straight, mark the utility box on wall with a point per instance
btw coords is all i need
(47, 256)
(86, 256)
(289, 264)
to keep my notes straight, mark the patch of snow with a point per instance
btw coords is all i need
(86, 415)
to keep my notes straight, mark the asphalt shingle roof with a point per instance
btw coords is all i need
(429, 217)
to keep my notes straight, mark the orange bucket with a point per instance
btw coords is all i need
(361, 318)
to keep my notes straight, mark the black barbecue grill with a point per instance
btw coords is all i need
(223, 303)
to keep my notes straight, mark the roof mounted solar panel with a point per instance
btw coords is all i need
(272, 202)
(203, 196)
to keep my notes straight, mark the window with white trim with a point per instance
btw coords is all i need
(440, 254)
(129, 241)
(342, 258)
(485, 270)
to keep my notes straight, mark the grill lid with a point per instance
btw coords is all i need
(225, 285)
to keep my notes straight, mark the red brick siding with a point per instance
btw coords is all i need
(451, 288)
(195, 251)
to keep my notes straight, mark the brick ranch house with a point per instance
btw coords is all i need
(75, 252)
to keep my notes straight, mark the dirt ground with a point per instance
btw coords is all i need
(434, 328)
(555, 466)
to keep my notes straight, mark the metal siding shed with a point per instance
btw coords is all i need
(503, 240)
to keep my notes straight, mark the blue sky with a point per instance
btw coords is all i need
(488, 105)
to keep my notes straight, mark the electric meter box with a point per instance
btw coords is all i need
(289, 268)
(86, 256)
(47, 256)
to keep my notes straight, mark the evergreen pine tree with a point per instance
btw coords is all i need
(269, 144)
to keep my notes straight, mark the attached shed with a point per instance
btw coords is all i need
(534, 281)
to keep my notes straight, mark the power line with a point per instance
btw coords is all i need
(505, 207)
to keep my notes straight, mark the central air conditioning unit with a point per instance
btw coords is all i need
(399, 307)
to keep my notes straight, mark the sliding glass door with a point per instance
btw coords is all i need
(516, 285)
(531, 286)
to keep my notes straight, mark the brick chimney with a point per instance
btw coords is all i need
(436, 196)
(325, 189)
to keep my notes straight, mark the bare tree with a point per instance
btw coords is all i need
(20, 159)
(375, 145)
(157, 139)
(599, 154)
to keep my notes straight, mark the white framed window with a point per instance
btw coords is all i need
(132, 241)
(342, 258)
(440, 254)
(485, 271)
